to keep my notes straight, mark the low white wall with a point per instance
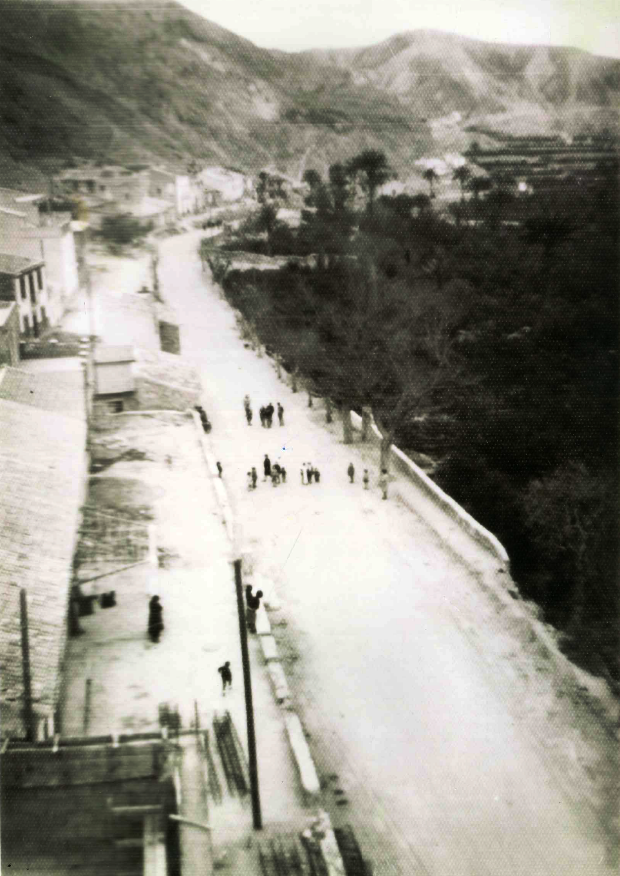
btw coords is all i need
(452, 509)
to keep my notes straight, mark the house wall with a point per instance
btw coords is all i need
(9, 339)
(62, 271)
(154, 395)
(31, 296)
(113, 377)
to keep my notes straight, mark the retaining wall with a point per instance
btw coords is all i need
(452, 509)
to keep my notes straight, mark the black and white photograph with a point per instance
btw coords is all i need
(248, 248)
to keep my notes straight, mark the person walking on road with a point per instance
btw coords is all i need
(246, 401)
(280, 414)
(269, 414)
(309, 472)
(249, 415)
(366, 479)
(267, 467)
(156, 619)
(317, 475)
(226, 673)
(250, 483)
(383, 482)
(351, 472)
(254, 477)
(219, 469)
(262, 416)
(283, 474)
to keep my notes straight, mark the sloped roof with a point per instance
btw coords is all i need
(166, 368)
(59, 391)
(43, 472)
(105, 354)
(12, 264)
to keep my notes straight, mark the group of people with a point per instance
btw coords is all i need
(309, 473)
(275, 473)
(206, 425)
(365, 477)
(265, 413)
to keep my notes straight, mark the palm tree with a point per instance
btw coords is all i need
(461, 175)
(375, 170)
(431, 177)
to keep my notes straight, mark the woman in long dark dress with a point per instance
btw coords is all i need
(156, 619)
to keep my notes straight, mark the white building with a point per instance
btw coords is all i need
(23, 280)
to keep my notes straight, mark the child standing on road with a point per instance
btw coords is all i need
(254, 477)
(351, 472)
(226, 674)
(383, 483)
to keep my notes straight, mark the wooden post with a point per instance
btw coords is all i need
(28, 712)
(249, 709)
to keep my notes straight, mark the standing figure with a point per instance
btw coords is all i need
(249, 415)
(267, 467)
(246, 401)
(226, 673)
(283, 474)
(351, 472)
(269, 413)
(250, 483)
(252, 605)
(302, 474)
(280, 414)
(156, 619)
(365, 478)
(317, 476)
(309, 472)
(261, 414)
(383, 482)
(219, 468)
(254, 477)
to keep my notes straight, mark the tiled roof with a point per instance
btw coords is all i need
(12, 264)
(43, 473)
(61, 391)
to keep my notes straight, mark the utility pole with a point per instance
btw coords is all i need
(249, 709)
(28, 712)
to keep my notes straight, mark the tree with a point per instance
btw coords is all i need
(420, 202)
(462, 175)
(431, 178)
(340, 187)
(267, 221)
(372, 165)
(547, 232)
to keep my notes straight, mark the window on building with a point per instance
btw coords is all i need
(43, 318)
(116, 407)
(40, 277)
(26, 326)
(35, 325)
(33, 291)
(22, 286)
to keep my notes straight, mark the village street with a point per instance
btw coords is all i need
(455, 750)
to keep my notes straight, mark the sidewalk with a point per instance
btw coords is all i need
(130, 676)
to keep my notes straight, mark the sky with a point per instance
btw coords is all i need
(593, 25)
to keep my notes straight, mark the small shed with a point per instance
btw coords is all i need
(113, 371)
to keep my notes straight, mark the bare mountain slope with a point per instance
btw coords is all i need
(128, 82)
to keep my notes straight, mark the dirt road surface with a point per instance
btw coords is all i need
(452, 750)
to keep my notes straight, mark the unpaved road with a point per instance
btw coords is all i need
(457, 752)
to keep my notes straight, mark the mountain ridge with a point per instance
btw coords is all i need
(107, 81)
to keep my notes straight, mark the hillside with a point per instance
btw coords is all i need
(156, 80)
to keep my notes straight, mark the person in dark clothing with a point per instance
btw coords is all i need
(269, 410)
(317, 475)
(280, 414)
(254, 476)
(267, 467)
(156, 619)
(351, 472)
(249, 415)
(252, 605)
(283, 474)
(309, 472)
(262, 416)
(219, 468)
(226, 673)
